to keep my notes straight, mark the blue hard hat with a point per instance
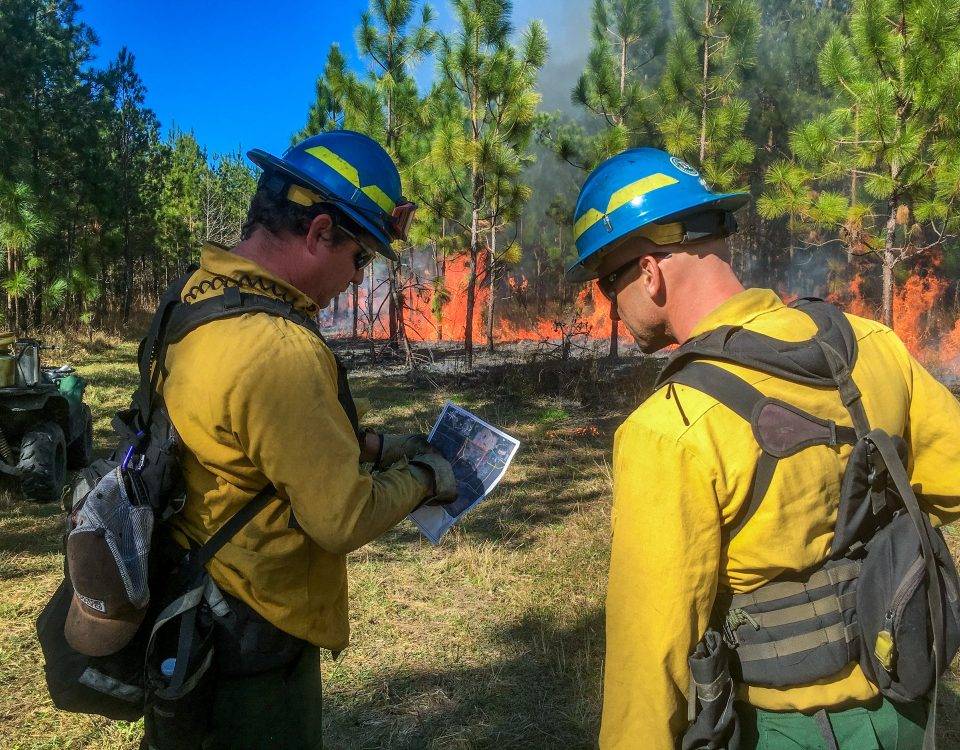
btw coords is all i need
(635, 188)
(350, 170)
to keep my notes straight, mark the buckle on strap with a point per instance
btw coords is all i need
(232, 298)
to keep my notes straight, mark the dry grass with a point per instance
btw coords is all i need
(493, 639)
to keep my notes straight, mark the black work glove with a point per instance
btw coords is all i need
(434, 471)
(393, 448)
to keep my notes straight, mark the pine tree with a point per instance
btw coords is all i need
(484, 136)
(21, 225)
(392, 39)
(627, 40)
(134, 130)
(893, 136)
(328, 109)
(713, 44)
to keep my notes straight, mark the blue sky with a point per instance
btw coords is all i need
(241, 74)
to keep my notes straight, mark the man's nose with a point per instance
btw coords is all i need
(358, 276)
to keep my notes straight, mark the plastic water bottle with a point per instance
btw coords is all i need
(167, 667)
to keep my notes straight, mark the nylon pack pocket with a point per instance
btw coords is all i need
(892, 610)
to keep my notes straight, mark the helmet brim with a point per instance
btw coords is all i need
(578, 272)
(270, 163)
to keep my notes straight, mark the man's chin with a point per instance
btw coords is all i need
(647, 341)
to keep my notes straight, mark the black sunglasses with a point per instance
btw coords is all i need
(364, 255)
(608, 284)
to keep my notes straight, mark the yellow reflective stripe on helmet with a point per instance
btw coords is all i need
(590, 217)
(346, 170)
(620, 198)
(380, 198)
(338, 164)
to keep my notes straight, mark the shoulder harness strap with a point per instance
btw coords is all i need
(781, 429)
(179, 319)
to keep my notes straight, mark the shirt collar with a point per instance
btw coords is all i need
(219, 261)
(739, 310)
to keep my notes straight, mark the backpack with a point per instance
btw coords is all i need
(888, 595)
(166, 672)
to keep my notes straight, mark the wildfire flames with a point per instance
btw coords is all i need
(588, 317)
(919, 317)
(920, 309)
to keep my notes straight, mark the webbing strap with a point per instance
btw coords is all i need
(898, 473)
(826, 730)
(233, 303)
(741, 398)
(762, 476)
(236, 522)
(828, 605)
(849, 393)
(797, 643)
(733, 392)
(846, 571)
(799, 362)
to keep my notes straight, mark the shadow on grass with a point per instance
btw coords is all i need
(948, 714)
(544, 693)
(29, 528)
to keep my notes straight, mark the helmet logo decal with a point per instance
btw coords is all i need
(684, 167)
(627, 194)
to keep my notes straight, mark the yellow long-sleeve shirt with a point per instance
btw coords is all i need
(682, 469)
(254, 400)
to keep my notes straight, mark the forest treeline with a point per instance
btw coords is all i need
(843, 118)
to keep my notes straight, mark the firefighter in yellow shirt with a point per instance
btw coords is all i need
(259, 399)
(653, 235)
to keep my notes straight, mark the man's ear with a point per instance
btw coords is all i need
(320, 232)
(651, 276)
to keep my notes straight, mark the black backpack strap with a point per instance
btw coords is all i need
(152, 345)
(898, 473)
(838, 342)
(780, 428)
(803, 362)
(743, 399)
(232, 303)
(236, 522)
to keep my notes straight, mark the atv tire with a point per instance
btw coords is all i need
(43, 462)
(80, 451)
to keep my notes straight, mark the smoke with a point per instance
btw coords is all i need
(568, 30)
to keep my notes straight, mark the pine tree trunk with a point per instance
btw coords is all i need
(11, 322)
(853, 173)
(492, 280)
(392, 313)
(889, 261)
(706, 72)
(401, 323)
(356, 309)
(614, 335)
(127, 271)
(472, 279)
(370, 320)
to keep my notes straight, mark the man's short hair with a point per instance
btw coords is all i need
(278, 215)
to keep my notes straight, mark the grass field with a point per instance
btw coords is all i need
(491, 640)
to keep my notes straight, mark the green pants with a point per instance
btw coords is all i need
(879, 726)
(277, 710)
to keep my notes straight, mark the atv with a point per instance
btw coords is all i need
(45, 428)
